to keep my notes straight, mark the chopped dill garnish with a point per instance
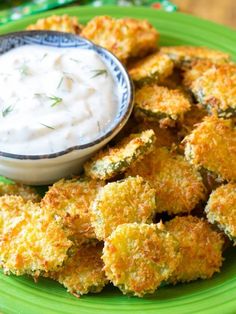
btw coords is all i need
(47, 126)
(24, 70)
(99, 72)
(56, 100)
(60, 82)
(44, 56)
(6, 111)
(75, 60)
(98, 125)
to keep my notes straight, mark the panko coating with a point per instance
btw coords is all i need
(31, 240)
(70, 200)
(152, 69)
(112, 161)
(179, 187)
(183, 56)
(215, 89)
(156, 103)
(200, 248)
(125, 201)
(63, 23)
(83, 272)
(164, 136)
(221, 209)
(212, 146)
(191, 119)
(125, 38)
(197, 69)
(139, 257)
(26, 192)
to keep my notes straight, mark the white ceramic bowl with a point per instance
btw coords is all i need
(46, 169)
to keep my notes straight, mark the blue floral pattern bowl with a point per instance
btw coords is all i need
(45, 169)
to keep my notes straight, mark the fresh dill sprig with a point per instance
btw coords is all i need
(99, 72)
(44, 56)
(6, 111)
(60, 82)
(75, 60)
(56, 100)
(24, 70)
(47, 126)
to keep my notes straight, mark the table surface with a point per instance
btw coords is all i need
(220, 11)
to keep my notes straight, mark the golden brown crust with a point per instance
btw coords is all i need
(70, 201)
(83, 272)
(63, 23)
(157, 102)
(112, 161)
(179, 187)
(26, 192)
(31, 240)
(152, 69)
(138, 257)
(125, 201)
(200, 248)
(125, 37)
(221, 209)
(212, 145)
(184, 55)
(197, 69)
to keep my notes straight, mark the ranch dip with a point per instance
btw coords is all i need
(53, 98)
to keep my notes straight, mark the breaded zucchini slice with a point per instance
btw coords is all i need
(215, 89)
(159, 103)
(26, 192)
(112, 161)
(139, 257)
(183, 56)
(31, 240)
(164, 136)
(179, 187)
(152, 69)
(212, 146)
(221, 209)
(197, 69)
(125, 37)
(83, 272)
(125, 201)
(70, 201)
(200, 248)
(63, 23)
(191, 119)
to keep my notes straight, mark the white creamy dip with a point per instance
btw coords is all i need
(53, 98)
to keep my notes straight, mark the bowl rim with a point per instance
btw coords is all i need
(116, 127)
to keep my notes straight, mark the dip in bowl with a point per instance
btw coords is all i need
(62, 99)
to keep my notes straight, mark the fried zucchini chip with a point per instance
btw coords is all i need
(152, 69)
(215, 89)
(160, 103)
(200, 248)
(83, 272)
(125, 37)
(63, 23)
(183, 56)
(164, 136)
(212, 146)
(70, 200)
(125, 201)
(197, 69)
(139, 257)
(191, 119)
(31, 240)
(112, 161)
(221, 209)
(179, 187)
(26, 192)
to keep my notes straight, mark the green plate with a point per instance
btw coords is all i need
(22, 296)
